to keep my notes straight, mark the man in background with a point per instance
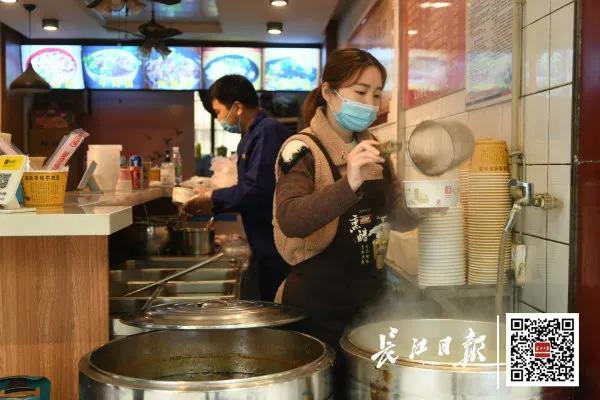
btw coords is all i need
(235, 105)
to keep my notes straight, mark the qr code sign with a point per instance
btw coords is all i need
(4, 180)
(542, 350)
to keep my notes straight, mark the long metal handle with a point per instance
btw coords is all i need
(216, 257)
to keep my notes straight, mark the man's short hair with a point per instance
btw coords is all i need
(231, 88)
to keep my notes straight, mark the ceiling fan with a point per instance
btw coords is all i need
(107, 7)
(153, 35)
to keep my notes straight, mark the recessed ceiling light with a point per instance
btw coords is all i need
(279, 3)
(412, 32)
(275, 28)
(436, 4)
(50, 24)
(9, 1)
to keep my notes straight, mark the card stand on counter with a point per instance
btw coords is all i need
(88, 181)
(12, 168)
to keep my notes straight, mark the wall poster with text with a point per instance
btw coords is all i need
(433, 49)
(489, 52)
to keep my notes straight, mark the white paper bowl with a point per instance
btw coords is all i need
(181, 194)
(431, 194)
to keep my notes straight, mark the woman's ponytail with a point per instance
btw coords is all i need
(313, 101)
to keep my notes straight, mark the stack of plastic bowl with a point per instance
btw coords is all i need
(489, 204)
(441, 256)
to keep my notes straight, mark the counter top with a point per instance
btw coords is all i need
(83, 214)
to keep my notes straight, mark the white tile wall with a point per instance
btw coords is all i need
(557, 277)
(535, 127)
(524, 308)
(559, 135)
(561, 46)
(559, 185)
(534, 291)
(536, 56)
(546, 124)
(534, 10)
(556, 4)
(535, 218)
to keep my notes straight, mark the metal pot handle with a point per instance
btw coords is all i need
(15, 384)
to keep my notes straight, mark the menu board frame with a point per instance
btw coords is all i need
(264, 69)
(246, 52)
(433, 51)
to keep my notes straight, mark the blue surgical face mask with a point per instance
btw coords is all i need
(230, 127)
(355, 116)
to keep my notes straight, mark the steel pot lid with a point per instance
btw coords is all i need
(214, 314)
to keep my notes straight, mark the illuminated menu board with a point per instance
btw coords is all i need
(220, 61)
(180, 70)
(60, 66)
(291, 69)
(434, 49)
(112, 67)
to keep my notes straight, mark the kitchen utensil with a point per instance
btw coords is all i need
(108, 158)
(431, 193)
(229, 365)
(198, 241)
(435, 147)
(177, 274)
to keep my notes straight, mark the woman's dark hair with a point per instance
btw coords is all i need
(343, 68)
(231, 88)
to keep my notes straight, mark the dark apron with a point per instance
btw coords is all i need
(333, 286)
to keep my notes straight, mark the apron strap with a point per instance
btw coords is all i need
(336, 172)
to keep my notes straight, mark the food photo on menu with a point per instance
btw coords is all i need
(180, 70)
(60, 66)
(112, 67)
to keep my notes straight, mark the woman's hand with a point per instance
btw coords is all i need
(364, 153)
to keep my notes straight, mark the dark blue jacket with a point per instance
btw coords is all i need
(253, 195)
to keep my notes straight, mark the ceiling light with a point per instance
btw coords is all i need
(9, 1)
(30, 81)
(50, 24)
(279, 3)
(275, 28)
(435, 4)
(412, 32)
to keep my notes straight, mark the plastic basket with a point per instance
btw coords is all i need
(44, 188)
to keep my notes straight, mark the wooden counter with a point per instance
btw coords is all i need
(54, 287)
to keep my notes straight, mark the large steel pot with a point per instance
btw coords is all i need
(238, 364)
(429, 376)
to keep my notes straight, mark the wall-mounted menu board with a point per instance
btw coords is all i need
(489, 52)
(180, 70)
(112, 67)
(60, 66)
(219, 61)
(292, 69)
(434, 50)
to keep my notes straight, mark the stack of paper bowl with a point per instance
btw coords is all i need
(463, 184)
(442, 259)
(488, 206)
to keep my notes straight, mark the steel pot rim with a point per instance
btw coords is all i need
(323, 362)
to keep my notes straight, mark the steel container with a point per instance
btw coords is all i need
(259, 363)
(432, 374)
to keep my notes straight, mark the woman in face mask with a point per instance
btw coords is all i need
(336, 199)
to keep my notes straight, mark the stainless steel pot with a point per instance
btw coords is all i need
(430, 376)
(198, 241)
(238, 364)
